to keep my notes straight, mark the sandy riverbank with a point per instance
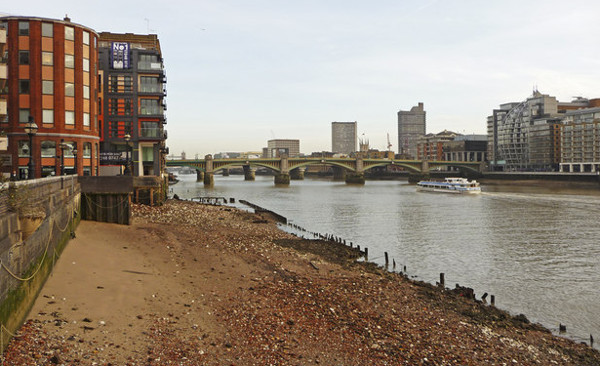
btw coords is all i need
(189, 284)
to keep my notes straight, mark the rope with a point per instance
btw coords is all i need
(39, 266)
(119, 204)
(68, 221)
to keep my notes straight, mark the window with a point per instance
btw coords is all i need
(69, 117)
(23, 115)
(47, 58)
(149, 62)
(150, 129)
(147, 153)
(120, 107)
(47, 87)
(23, 149)
(48, 116)
(68, 152)
(86, 37)
(47, 30)
(149, 107)
(120, 84)
(86, 119)
(23, 28)
(23, 57)
(149, 84)
(23, 86)
(70, 61)
(86, 64)
(86, 92)
(48, 171)
(69, 33)
(87, 149)
(48, 149)
(69, 89)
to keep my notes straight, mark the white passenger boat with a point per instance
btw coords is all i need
(450, 185)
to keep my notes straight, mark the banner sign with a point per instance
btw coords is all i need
(112, 158)
(119, 57)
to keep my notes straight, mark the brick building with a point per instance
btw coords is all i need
(48, 73)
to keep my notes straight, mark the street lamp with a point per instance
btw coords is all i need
(31, 129)
(75, 159)
(127, 138)
(63, 146)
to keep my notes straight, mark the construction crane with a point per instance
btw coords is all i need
(389, 144)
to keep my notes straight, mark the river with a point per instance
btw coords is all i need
(536, 249)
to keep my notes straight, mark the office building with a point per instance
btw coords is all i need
(343, 137)
(580, 139)
(48, 74)
(282, 147)
(523, 136)
(132, 104)
(411, 126)
(466, 148)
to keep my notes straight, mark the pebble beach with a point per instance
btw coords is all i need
(194, 284)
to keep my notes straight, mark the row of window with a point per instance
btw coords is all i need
(48, 60)
(48, 88)
(48, 31)
(49, 149)
(124, 84)
(48, 117)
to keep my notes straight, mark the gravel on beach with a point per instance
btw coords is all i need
(213, 285)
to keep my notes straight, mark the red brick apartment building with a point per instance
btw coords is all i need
(48, 80)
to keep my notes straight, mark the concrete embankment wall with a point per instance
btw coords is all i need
(37, 219)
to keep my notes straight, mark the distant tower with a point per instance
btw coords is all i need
(411, 126)
(183, 155)
(343, 137)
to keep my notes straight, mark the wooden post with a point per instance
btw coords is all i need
(366, 252)
(387, 260)
(442, 281)
(493, 300)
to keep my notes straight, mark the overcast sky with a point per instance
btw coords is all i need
(241, 72)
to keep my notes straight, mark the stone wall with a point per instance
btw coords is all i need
(40, 217)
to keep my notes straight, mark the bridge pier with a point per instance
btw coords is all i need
(209, 179)
(249, 173)
(355, 178)
(297, 174)
(282, 179)
(199, 176)
(225, 172)
(339, 173)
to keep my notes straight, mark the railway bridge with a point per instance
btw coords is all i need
(286, 168)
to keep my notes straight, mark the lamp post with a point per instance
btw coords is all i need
(75, 160)
(127, 138)
(63, 146)
(31, 129)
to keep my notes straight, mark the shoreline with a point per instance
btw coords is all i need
(198, 284)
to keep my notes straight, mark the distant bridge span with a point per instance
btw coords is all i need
(283, 167)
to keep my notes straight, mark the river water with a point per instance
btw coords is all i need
(536, 249)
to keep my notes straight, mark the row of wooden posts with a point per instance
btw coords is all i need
(364, 252)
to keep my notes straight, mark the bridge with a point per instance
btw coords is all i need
(353, 169)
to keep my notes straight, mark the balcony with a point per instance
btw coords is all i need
(151, 133)
(150, 66)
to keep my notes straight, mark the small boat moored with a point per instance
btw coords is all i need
(450, 185)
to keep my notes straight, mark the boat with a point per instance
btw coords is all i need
(450, 185)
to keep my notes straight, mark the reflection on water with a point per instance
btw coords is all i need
(535, 249)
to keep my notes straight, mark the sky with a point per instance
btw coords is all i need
(241, 72)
